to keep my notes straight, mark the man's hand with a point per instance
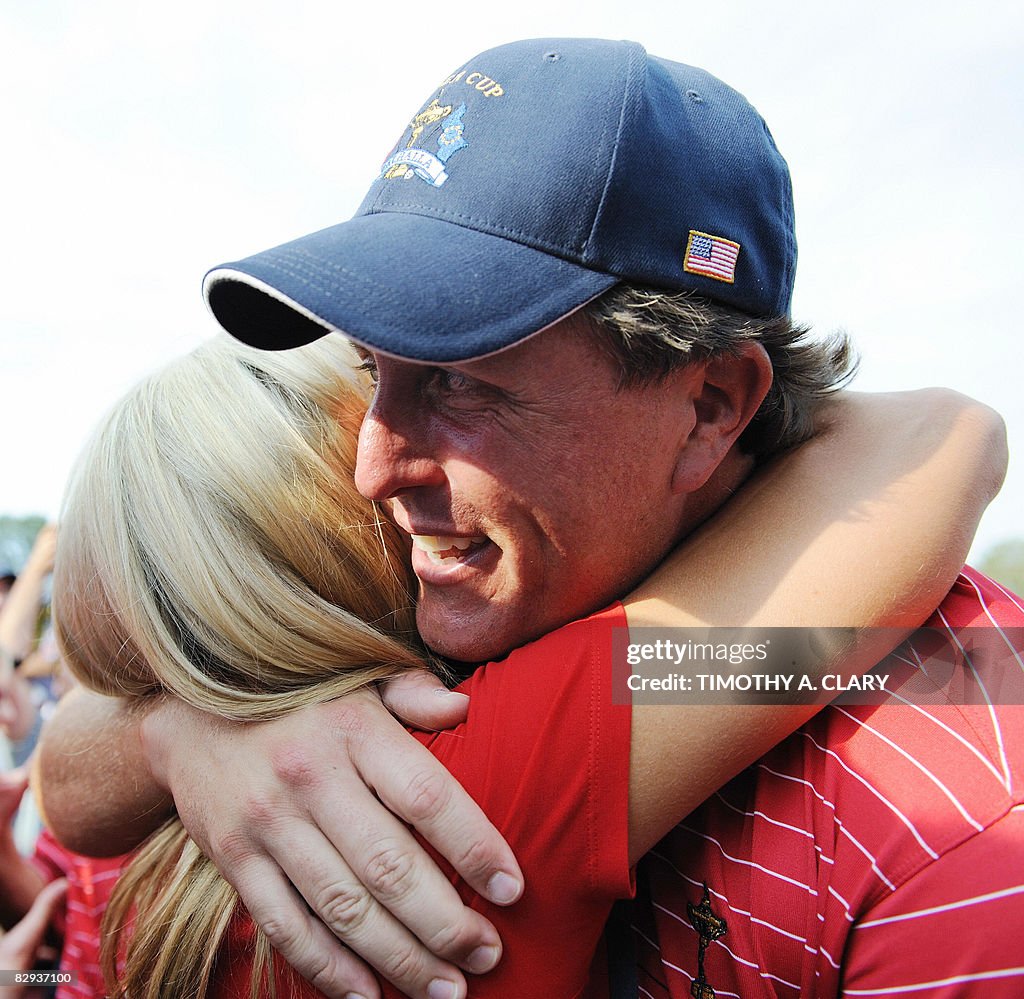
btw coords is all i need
(291, 810)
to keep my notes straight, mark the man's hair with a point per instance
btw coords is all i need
(650, 332)
(213, 546)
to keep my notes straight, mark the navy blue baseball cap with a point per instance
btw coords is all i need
(535, 177)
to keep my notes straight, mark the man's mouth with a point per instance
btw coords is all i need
(440, 548)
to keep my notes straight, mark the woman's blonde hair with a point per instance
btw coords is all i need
(213, 547)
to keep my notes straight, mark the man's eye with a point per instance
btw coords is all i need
(454, 382)
(369, 365)
(453, 390)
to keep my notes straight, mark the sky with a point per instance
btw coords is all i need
(144, 143)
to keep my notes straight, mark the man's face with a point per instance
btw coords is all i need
(533, 489)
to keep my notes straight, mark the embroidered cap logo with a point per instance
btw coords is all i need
(413, 161)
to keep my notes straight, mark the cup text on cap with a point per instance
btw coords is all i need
(487, 86)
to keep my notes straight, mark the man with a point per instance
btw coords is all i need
(564, 224)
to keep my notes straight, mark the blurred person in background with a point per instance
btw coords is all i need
(39, 879)
(48, 902)
(24, 948)
(31, 679)
(27, 600)
(7, 578)
(17, 710)
(24, 624)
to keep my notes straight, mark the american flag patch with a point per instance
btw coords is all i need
(712, 256)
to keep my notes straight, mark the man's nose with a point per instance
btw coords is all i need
(394, 452)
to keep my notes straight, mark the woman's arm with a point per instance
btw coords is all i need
(865, 525)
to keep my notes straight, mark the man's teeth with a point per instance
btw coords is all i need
(439, 546)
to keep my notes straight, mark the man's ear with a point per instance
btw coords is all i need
(731, 388)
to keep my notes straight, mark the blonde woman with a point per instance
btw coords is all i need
(213, 547)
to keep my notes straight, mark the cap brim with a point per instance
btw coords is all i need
(407, 285)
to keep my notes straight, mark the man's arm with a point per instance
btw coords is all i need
(257, 797)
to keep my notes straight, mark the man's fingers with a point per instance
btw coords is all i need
(19, 945)
(301, 940)
(419, 699)
(306, 829)
(348, 904)
(415, 786)
(402, 877)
